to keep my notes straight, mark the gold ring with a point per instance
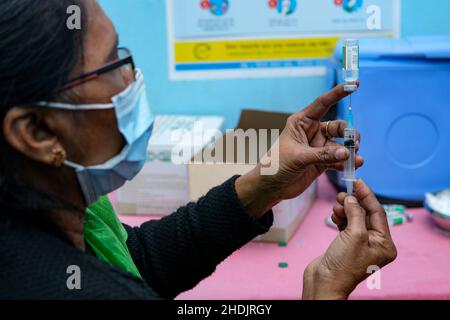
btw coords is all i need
(327, 135)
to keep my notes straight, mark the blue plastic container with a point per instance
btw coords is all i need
(402, 110)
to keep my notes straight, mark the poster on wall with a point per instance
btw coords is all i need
(229, 39)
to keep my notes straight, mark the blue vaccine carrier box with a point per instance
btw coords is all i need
(402, 110)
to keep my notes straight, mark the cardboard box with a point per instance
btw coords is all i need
(203, 176)
(163, 186)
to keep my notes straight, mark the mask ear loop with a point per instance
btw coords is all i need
(75, 107)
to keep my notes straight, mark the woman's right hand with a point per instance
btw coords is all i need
(364, 240)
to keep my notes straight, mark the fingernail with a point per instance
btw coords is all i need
(342, 154)
(352, 200)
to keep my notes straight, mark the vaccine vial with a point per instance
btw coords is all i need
(350, 64)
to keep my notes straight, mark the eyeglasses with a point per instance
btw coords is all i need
(124, 64)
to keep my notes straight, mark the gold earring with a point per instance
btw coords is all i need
(59, 156)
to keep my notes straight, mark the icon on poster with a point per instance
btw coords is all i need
(216, 7)
(202, 51)
(284, 7)
(349, 5)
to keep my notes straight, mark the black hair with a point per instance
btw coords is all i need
(38, 53)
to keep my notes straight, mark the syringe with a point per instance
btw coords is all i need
(349, 143)
(350, 72)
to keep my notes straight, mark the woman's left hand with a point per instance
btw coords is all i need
(302, 153)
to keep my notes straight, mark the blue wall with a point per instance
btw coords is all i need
(142, 27)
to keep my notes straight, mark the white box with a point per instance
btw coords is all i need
(163, 186)
(289, 214)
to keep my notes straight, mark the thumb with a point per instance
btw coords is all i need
(356, 216)
(326, 155)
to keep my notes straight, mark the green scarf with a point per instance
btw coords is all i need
(107, 237)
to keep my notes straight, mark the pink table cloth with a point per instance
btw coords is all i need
(421, 271)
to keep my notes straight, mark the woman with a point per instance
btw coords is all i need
(75, 126)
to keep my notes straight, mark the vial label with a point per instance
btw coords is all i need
(351, 58)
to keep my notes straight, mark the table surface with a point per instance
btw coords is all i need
(421, 271)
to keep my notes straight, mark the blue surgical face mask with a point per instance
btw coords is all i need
(135, 122)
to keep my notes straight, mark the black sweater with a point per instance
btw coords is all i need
(173, 254)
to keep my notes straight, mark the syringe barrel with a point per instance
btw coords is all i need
(350, 143)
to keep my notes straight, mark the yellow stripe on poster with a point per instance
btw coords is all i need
(245, 50)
